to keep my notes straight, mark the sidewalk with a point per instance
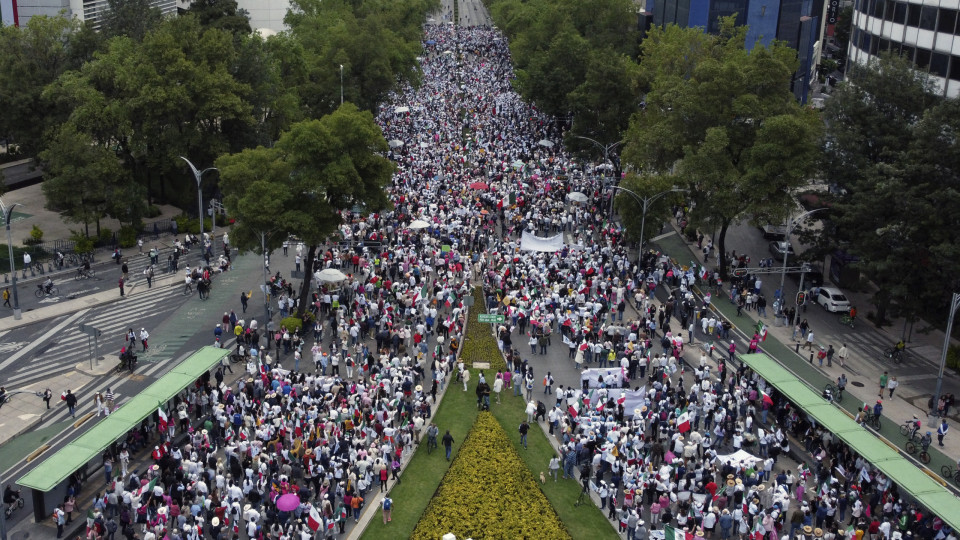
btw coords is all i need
(863, 386)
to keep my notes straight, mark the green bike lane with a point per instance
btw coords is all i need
(782, 348)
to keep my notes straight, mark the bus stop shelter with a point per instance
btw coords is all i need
(47, 481)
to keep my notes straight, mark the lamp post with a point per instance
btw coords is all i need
(645, 203)
(7, 214)
(198, 174)
(268, 321)
(954, 304)
(790, 225)
(606, 149)
(341, 84)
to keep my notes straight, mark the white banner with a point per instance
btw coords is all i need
(531, 242)
(611, 377)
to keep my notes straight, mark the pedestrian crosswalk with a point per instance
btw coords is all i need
(68, 345)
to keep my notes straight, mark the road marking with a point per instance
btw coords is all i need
(35, 343)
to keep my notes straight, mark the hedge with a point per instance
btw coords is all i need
(489, 492)
(480, 345)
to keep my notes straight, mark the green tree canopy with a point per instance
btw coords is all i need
(723, 122)
(131, 18)
(892, 147)
(34, 56)
(223, 15)
(317, 170)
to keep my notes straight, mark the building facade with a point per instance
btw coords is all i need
(925, 32)
(19, 12)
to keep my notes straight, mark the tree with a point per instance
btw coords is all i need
(170, 95)
(656, 189)
(34, 56)
(223, 15)
(722, 120)
(131, 18)
(891, 147)
(86, 182)
(317, 170)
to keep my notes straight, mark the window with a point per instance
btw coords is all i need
(878, 9)
(899, 12)
(874, 43)
(923, 58)
(883, 44)
(947, 21)
(907, 53)
(955, 68)
(913, 15)
(938, 64)
(888, 10)
(866, 43)
(928, 17)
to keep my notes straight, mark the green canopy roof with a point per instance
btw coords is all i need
(87, 447)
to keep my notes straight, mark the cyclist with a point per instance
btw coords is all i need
(86, 266)
(878, 409)
(841, 384)
(48, 285)
(853, 313)
(914, 426)
(10, 495)
(925, 441)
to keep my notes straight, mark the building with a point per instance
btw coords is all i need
(923, 31)
(799, 23)
(19, 12)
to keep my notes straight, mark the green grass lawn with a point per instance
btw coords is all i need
(422, 476)
(457, 413)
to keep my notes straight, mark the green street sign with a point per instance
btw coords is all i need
(490, 318)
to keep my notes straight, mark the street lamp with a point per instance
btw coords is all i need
(606, 149)
(790, 225)
(7, 214)
(954, 304)
(341, 84)
(645, 203)
(198, 174)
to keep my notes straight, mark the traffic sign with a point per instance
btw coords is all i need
(490, 318)
(801, 298)
(740, 272)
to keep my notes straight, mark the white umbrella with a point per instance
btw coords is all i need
(400, 110)
(331, 275)
(546, 143)
(418, 224)
(576, 196)
(395, 143)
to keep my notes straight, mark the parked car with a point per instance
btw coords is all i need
(774, 232)
(833, 300)
(781, 249)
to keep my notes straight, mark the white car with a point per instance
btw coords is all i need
(833, 300)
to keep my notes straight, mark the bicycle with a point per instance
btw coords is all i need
(910, 430)
(832, 393)
(846, 319)
(41, 291)
(947, 472)
(11, 507)
(874, 421)
(894, 354)
(923, 455)
(82, 274)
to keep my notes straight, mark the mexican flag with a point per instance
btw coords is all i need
(670, 533)
(766, 398)
(163, 419)
(683, 422)
(761, 329)
(314, 521)
(147, 488)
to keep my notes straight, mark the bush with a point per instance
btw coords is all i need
(292, 324)
(953, 357)
(81, 243)
(128, 236)
(105, 238)
(191, 225)
(479, 344)
(152, 211)
(36, 236)
(487, 463)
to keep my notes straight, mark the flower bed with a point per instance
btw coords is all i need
(489, 492)
(480, 345)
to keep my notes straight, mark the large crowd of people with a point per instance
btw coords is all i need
(317, 425)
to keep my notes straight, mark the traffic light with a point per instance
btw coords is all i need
(801, 298)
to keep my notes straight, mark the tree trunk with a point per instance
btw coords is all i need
(722, 246)
(307, 281)
(883, 304)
